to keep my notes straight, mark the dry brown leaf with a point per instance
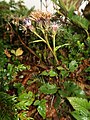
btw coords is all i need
(87, 62)
(7, 53)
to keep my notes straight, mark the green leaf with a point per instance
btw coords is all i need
(79, 21)
(25, 100)
(26, 96)
(71, 89)
(48, 89)
(20, 88)
(7, 106)
(56, 2)
(23, 116)
(79, 103)
(60, 68)
(63, 6)
(71, 12)
(73, 66)
(81, 107)
(57, 101)
(13, 52)
(37, 102)
(21, 105)
(44, 73)
(64, 73)
(52, 73)
(79, 115)
(42, 108)
(87, 69)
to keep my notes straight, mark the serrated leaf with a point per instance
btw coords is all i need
(48, 89)
(80, 105)
(80, 21)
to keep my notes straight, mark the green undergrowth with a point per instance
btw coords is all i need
(44, 67)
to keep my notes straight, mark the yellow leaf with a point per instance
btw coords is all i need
(19, 52)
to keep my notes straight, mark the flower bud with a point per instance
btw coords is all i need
(55, 27)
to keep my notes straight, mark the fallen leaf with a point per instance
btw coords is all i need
(7, 53)
(19, 52)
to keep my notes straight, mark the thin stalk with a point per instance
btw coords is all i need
(54, 43)
(54, 46)
(47, 43)
(53, 51)
(87, 33)
(39, 36)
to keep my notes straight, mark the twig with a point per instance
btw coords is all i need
(29, 49)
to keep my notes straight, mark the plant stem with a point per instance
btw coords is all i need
(39, 36)
(47, 43)
(29, 49)
(52, 50)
